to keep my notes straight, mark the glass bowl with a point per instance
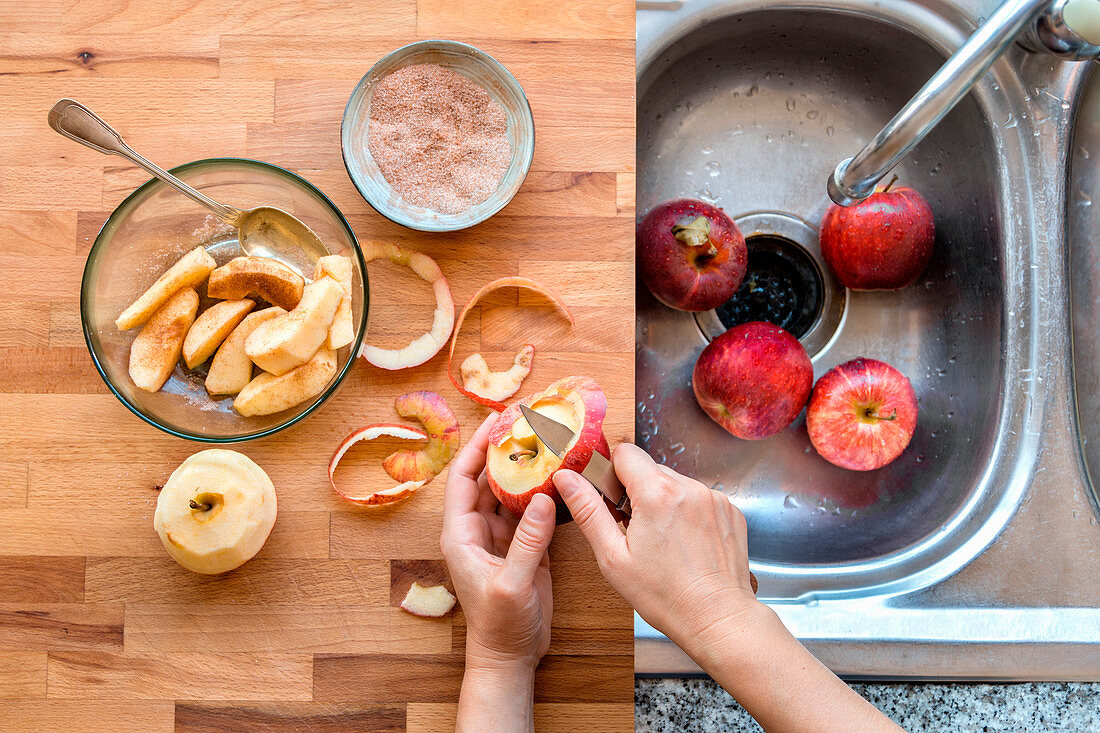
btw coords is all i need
(472, 63)
(151, 229)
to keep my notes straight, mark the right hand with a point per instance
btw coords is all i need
(683, 561)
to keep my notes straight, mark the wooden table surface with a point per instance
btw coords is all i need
(99, 629)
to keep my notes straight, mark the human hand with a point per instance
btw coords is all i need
(500, 568)
(683, 561)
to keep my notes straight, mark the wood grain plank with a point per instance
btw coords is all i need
(564, 193)
(65, 329)
(128, 531)
(39, 16)
(86, 716)
(410, 528)
(585, 148)
(440, 717)
(192, 56)
(22, 675)
(30, 579)
(297, 717)
(34, 233)
(531, 19)
(583, 283)
(394, 17)
(174, 628)
(61, 626)
(13, 483)
(48, 188)
(383, 678)
(183, 675)
(48, 369)
(299, 582)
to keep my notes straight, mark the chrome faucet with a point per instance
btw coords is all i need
(1046, 26)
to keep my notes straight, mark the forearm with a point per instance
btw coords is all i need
(497, 697)
(782, 685)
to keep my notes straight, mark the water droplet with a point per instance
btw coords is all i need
(707, 150)
(714, 169)
(790, 502)
(813, 114)
(830, 131)
(752, 90)
(790, 104)
(676, 448)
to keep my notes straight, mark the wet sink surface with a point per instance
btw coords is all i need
(751, 111)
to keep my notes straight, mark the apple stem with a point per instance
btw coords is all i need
(890, 184)
(695, 233)
(200, 507)
(873, 415)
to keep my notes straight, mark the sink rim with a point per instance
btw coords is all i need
(998, 491)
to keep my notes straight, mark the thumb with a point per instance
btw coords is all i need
(532, 537)
(590, 512)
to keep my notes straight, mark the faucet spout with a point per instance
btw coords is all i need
(855, 178)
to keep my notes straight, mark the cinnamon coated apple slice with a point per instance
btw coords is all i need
(157, 348)
(189, 271)
(270, 279)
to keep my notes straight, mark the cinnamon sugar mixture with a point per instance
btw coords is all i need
(438, 137)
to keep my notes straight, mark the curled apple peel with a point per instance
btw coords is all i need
(478, 378)
(483, 398)
(441, 425)
(443, 319)
(412, 469)
(371, 432)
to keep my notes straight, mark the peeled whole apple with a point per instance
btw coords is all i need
(216, 511)
(883, 243)
(862, 414)
(753, 380)
(691, 255)
(518, 465)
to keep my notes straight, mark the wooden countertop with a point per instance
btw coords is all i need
(99, 629)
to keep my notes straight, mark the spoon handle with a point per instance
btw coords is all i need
(77, 122)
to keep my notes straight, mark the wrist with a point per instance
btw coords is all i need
(735, 637)
(490, 663)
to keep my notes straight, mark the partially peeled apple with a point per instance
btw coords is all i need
(215, 512)
(518, 465)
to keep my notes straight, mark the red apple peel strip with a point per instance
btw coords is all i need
(478, 378)
(443, 319)
(441, 425)
(504, 282)
(371, 432)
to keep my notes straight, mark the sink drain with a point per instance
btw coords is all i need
(787, 283)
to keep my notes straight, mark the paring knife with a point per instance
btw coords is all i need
(599, 470)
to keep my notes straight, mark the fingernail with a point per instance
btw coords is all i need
(541, 507)
(566, 481)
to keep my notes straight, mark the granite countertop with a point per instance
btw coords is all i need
(664, 705)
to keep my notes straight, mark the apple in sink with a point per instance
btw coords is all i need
(691, 255)
(753, 380)
(862, 414)
(518, 465)
(883, 243)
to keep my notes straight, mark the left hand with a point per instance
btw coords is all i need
(500, 568)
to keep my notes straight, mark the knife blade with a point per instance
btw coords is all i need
(599, 471)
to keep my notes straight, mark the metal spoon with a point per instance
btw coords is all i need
(263, 231)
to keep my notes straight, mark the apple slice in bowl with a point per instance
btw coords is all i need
(518, 465)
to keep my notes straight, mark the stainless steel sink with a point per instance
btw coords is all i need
(976, 535)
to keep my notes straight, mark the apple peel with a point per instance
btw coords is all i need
(487, 398)
(479, 379)
(412, 469)
(372, 432)
(443, 319)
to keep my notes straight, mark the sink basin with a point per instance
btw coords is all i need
(750, 104)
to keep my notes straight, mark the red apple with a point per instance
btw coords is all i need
(691, 255)
(518, 465)
(753, 380)
(883, 243)
(862, 414)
